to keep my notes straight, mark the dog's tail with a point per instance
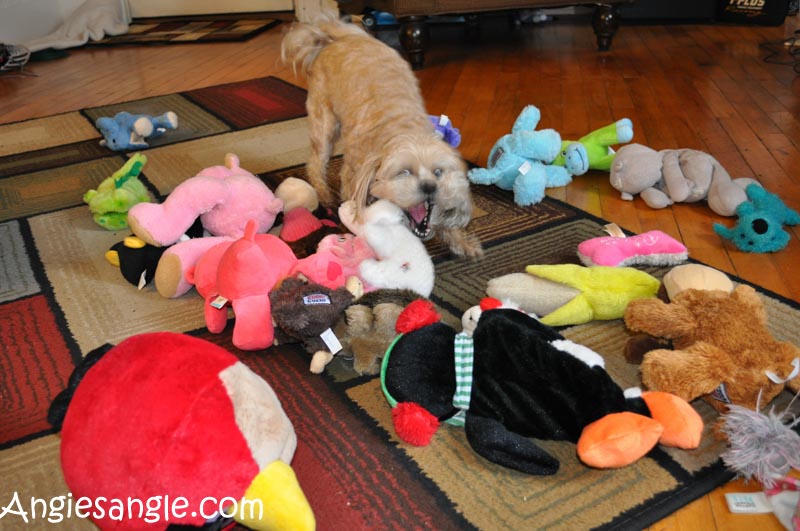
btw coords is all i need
(305, 40)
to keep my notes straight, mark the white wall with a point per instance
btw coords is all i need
(23, 20)
(167, 8)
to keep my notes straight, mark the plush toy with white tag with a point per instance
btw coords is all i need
(126, 131)
(521, 160)
(306, 312)
(723, 349)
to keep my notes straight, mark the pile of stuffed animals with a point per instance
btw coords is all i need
(216, 233)
(291, 271)
(527, 161)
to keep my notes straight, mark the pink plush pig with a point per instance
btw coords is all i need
(223, 197)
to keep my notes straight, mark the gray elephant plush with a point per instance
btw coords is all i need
(670, 176)
(126, 131)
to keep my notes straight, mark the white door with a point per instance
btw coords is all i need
(167, 8)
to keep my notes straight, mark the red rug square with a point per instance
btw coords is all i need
(251, 103)
(35, 365)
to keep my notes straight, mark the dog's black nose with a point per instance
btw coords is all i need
(428, 187)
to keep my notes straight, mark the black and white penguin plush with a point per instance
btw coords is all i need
(509, 379)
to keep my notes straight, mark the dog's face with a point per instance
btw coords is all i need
(425, 177)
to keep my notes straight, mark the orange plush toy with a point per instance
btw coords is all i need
(722, 348)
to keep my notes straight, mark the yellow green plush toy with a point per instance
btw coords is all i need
(570, 294)
(117, 194)
(593, 151)
(603, 292)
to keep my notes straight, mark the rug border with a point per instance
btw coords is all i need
(106, 42)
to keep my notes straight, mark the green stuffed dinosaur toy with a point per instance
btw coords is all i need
(117, 194)
(593, 151)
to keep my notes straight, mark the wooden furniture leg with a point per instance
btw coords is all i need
(414, 39)
(605, 22)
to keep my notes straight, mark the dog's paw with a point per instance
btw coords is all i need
(461, 244)
(465, 246)
(473, 250)
(325, 196)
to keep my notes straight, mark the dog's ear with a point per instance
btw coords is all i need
(363, 180)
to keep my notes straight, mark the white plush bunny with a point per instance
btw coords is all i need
(403, 261)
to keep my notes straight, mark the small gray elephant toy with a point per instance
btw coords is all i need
(126, 131)
(676, 176)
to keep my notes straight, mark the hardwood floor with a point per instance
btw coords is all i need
(705, 87)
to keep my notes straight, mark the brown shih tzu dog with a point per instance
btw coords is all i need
(364, 92)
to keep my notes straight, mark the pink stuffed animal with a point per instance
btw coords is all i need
(170, 276)
(223, 197)
(241, 274)
(651, 248)
(336, 260)
(350, 250)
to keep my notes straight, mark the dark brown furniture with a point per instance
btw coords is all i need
(411, 15)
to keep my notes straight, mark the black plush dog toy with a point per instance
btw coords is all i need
(526, 382)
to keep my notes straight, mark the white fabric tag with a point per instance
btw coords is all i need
(316, 298)
(748, 502)
(778, 380)
(142, 281)
(219, 302)
(331, 340)
(525, 167)
(443, 119)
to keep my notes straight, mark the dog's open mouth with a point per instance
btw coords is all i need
(420, 218)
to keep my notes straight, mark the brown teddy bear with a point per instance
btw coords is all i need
(677, 279)
(722, 349)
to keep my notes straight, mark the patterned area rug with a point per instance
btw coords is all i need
(59, 299)
(189, 30)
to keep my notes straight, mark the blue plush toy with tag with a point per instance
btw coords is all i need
(520, 161)
(759, 228)
(126, 131)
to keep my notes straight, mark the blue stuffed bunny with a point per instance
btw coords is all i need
(126, 131)
(520, 161)
(759, 228)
